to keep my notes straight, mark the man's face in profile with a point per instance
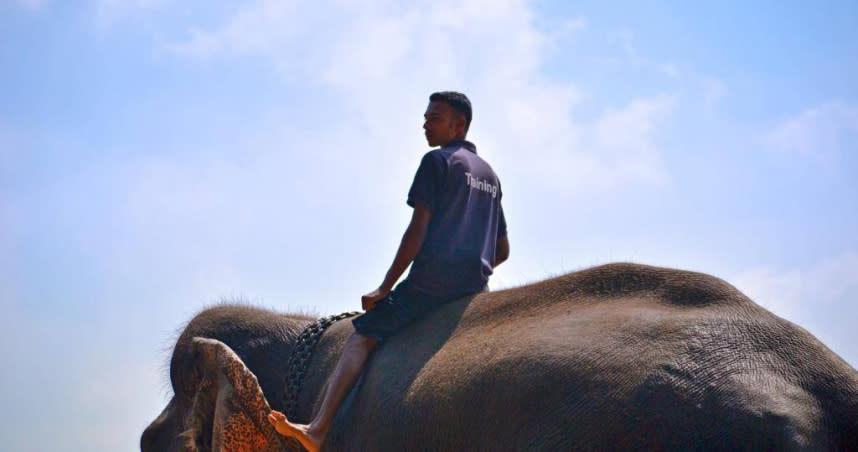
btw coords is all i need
(442, 124)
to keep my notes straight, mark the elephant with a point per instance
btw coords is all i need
(620, 356)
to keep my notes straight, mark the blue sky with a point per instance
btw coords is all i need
(157, 156)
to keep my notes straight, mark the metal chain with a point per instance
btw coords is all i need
(300, 360)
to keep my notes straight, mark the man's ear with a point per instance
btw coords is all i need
(461, 122)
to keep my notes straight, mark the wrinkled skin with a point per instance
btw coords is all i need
(615, 357)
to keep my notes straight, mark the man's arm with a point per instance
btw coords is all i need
(501, 251)
(410, 245)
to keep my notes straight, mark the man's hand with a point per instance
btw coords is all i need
(369, 300)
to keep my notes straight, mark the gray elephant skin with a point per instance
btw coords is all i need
(617, 357)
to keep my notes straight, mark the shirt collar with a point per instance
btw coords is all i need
(462, 144)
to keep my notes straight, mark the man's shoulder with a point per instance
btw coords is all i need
(471, 161)
(435, 157)
(435, 153)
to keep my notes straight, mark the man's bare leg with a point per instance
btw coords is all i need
(348, 369)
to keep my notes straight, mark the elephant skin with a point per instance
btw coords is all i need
(615, 357)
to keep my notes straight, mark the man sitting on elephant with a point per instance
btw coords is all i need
(456, 236)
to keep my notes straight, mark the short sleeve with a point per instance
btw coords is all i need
(425, 189)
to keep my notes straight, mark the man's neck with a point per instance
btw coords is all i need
(455, 139)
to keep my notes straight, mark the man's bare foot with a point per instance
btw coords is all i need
(300, 432)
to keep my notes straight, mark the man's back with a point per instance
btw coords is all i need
(464, 195)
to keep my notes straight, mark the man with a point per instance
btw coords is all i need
(456, 236)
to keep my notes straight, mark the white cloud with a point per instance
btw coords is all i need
(261, 28)
(384, 56)
(573, 25)
(32, 5)
(625, 40)
(714, 91)
(624, 136)
(820, 297)
(109, 12)
(826, 132)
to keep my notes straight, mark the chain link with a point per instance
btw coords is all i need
(300, 360)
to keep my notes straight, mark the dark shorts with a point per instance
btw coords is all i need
(400, 308)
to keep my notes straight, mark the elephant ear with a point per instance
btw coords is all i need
(229, 411)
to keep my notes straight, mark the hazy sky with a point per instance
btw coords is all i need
(157, 156)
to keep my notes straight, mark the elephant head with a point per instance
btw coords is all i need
(218, 403)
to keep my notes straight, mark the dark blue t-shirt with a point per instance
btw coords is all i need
(464, 195)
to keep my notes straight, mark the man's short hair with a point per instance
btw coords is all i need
(458, 101)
